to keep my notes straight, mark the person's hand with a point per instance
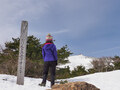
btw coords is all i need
(56, 63)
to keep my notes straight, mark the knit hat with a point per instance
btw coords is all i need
(49, 37)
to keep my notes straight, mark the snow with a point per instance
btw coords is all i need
(8, 82)
(104, 81)
(78, 60)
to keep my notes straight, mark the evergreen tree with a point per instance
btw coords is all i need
(63, 54)
(34, 50)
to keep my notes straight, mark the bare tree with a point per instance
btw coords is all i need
(102, 64)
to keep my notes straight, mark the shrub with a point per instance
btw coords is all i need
(116, 62)
(117, 65)
(33, 69)
(91, 71)
(8, 62)
(102, 64)
(63, 73)
(80, 70)
(63, 82)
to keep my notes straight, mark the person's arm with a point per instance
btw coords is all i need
(43, 53)
(55, 52)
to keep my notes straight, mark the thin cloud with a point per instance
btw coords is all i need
(18, 9)
(14, 11)
(60, 31)
(45, 33)
(105, 50)
(72, 18)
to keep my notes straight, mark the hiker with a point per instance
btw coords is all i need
(49, 53)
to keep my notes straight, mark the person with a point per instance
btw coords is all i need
(49, 53)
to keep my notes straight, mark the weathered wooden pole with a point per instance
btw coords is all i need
(22, 53)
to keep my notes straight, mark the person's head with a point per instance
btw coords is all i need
(49, 38)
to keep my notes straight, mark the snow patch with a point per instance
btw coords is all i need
(78, 60)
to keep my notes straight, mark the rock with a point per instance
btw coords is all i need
(74, 86)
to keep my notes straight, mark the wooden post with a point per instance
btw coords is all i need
(22, 53)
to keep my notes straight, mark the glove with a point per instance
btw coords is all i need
(56, 63)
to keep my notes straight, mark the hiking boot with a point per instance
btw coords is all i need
(42, 84)
(52, 85)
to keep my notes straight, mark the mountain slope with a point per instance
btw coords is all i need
(78, 60)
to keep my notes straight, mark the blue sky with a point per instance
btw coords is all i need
(88, 27)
